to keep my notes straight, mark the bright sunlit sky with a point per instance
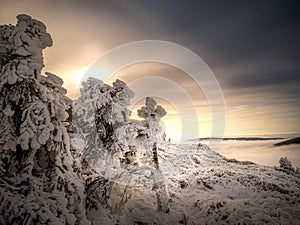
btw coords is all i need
(252, 47)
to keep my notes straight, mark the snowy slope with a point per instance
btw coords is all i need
(206, 188)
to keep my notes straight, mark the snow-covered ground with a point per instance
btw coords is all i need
(204, 187)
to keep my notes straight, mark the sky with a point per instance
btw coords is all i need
(252, 48)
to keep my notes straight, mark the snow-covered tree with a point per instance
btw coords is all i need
(38, 184)
(286, 164)
(152, 113)
(101, 117)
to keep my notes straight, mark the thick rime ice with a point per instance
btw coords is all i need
(38, 184)
(116, 144)
(152, 114)
(101, 114)
(21, 48)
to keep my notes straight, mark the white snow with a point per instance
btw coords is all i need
(207, 188)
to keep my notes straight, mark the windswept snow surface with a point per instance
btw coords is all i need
(204, 187)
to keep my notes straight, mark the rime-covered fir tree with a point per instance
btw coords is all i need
(118, 148)
(38, 184)
(101, 118)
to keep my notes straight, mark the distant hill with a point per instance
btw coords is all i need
(289, 142)
(239, 139)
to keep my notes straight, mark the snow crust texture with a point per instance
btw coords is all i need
(207, 188)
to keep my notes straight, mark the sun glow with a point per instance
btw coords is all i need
(172, 123)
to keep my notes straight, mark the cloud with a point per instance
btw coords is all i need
(251, 46)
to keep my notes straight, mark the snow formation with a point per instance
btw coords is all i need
(117, 147)
(38, 184)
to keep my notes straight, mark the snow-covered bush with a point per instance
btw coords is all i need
(286, 164)
(37, 181)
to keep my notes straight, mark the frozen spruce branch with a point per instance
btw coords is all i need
(38, 184)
